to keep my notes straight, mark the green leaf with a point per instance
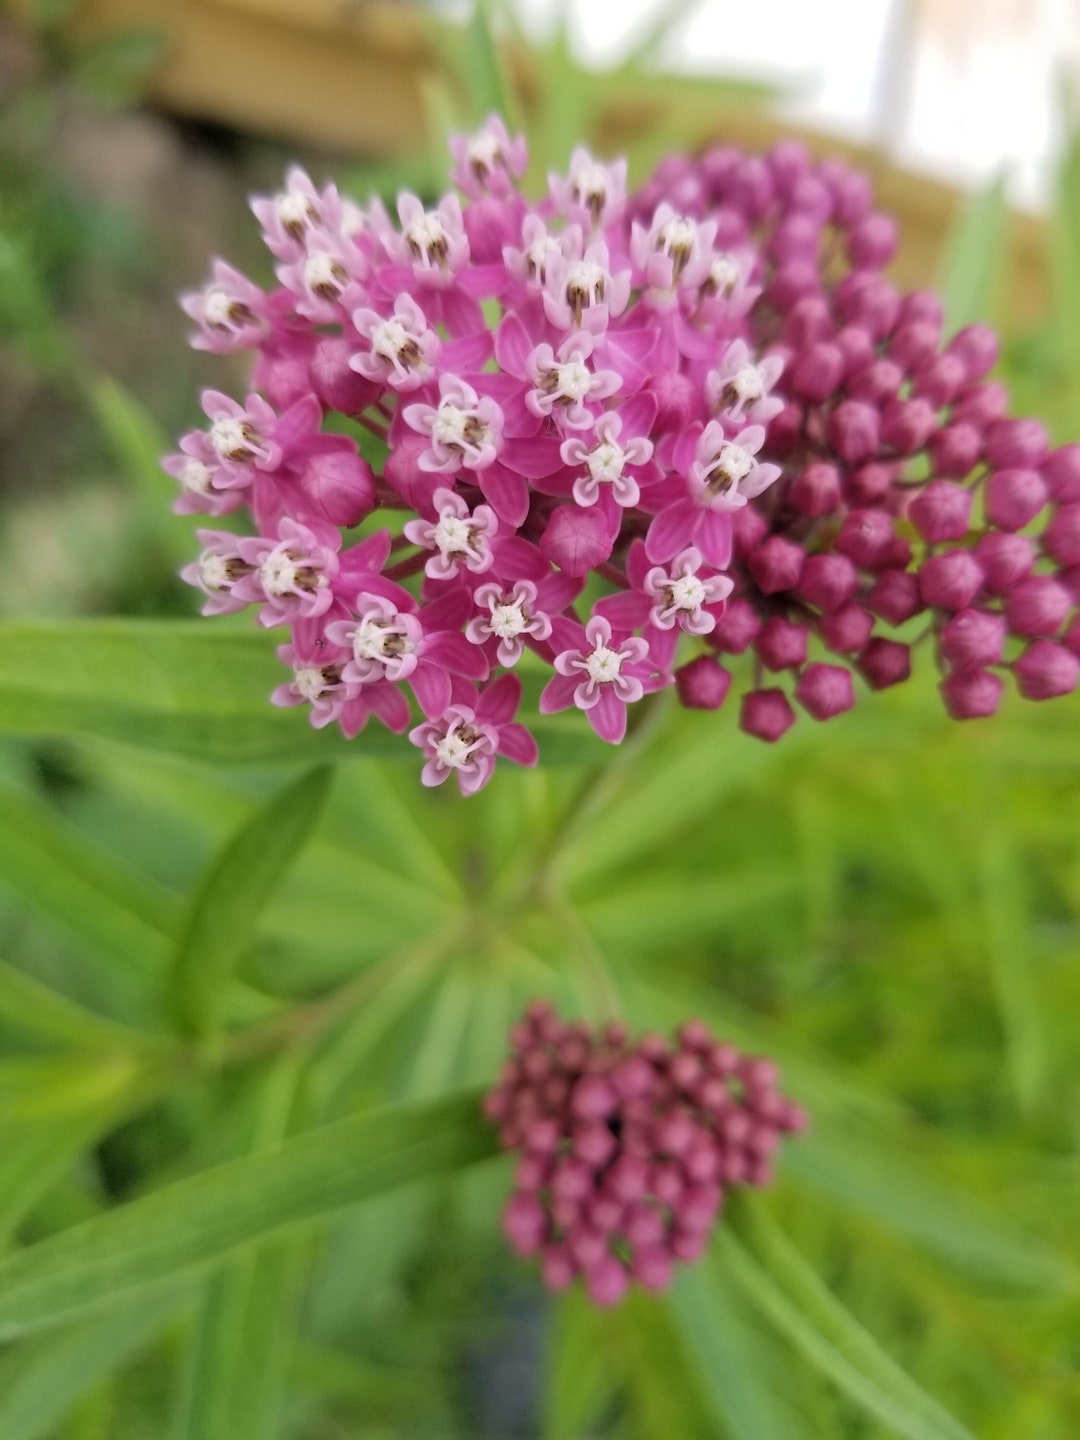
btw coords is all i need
(224, 913)
(974, 260)
(580, 1381)
(43, 1378)
(486, 80)
(776, 1278)
(199, 1220)
(33, 1009)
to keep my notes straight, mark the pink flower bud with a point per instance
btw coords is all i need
(976, 346)
(1037, 606)
(1061, 538)
(524, 1223)
(851, 192)
(750, 527)
(337, 385)
(815, 491)
(781, 644)
(908, 424)
(853, 431)
(736, 628)
(1061, 470)
(973, 639)
(980, 405)
(677, 399)
(876, 383)
(808, 321)
(793, 282)
(1005, 559)
(798, 237)
(776, 565)
(869, 485)
(576, 540)
(828, 581)
(950, 581)
(971, 694)
(865, 537)
(556, 1266)
(1014, 498)
(766, 714)
(847, 631)
(856, 344)
(702, 684)
(825, 690)
(784, 431)
(870, 301)
(652, 1267)
(606, 1281)
(1016, 444)
(941, 511)
(339, 486)
(941, 380)
(1046, 670)
(923, 305)
(895, 596)
(913, 343)
(818, 371)
(1072, 636)
(955, 450)
(872, 242)
(884, 663)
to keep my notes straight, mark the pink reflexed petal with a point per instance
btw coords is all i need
(534, 457)
(433, 774)
(369, 554)
(461, 313)
(431, 686)
(637, 564)
(513, 346)
(517, 559)
(608, 716)
(672, 529)
(714, 536)
(450, 650)
(558, 694)
(625, 611)
(662, 645)
(683, 455)
(484, 282)
(301, 420)
(500, 700)
(507, 493)
(638, 414)
(557, 591)
(469, 353)
(473, 777)
(518, 744)
(449, 610)
(354, 716)
(567, 634)
(390, 705)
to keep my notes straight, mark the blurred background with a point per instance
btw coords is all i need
(891, 905)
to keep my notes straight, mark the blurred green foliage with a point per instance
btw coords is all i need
(245, 1008)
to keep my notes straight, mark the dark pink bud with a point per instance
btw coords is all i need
(895, 596)
(339, 487)
(736, 627)
(723, 1058)
(644, 1225)
(766, 714)
(594, 1143)
(856, 344)
(825, 690)
(556, 1266)
(854, 431)
(1072, 636)
(666, 1182)
(750, 188)
(847, 630)
(776, 565)
(876, 383)
(792, 282)
(980, 405)
(869, 485)
(907, 425)
(698, 1207)
(402, 472)
(1061, 469)
(587, 1246)
(872, 242)
(702, 684)
(685, 1070)
(851, 191)
(1016, 444)
(884, 663)
(677, 399)
(337, 386)
(922, 305)
(785, 430)
(816, 490)
(796, 238)
(1037, 606)
(811, 197)
(973, 639)
(542, 1136)
(808, 321)
(576, 540)
(593, 1098)
(955, 450)
(941, 380)
(1046, 670)
(941, 511)
(524, 1223)
(1061, 538)
(1005, 559)
(976, 346)
(781, 644)
(675, 1135)
(749, 526)
(870, 301)
(652, 1267)
(628, 1178)
(866, 536)
(950, 581)
(282, 374)
(971, 694)
(788, 161)
(914, 343)
(1014, 498)
(818, 371)
(828, 581)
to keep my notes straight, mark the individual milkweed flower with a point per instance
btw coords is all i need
(457, 537)
(465, 428)
(402, 346)
(231, 311)
(606, 462)
(626, 1150)
(599, 672)
(472, 732)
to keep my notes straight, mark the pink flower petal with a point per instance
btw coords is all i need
(671, 531)
(558, 694)
(431, 686)
(608, 716)
(518, 744)
(499, 702)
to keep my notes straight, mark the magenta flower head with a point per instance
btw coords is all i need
(627, 1149)
(700, 403)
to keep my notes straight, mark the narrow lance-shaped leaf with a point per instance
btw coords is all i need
(199, 1220)
(226, 907)
(974, 259)
(776, 1278)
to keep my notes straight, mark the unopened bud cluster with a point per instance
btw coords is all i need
(628, 1148)
(704, 395)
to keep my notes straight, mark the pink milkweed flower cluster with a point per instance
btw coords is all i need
(704, 397)
(627, 1148)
